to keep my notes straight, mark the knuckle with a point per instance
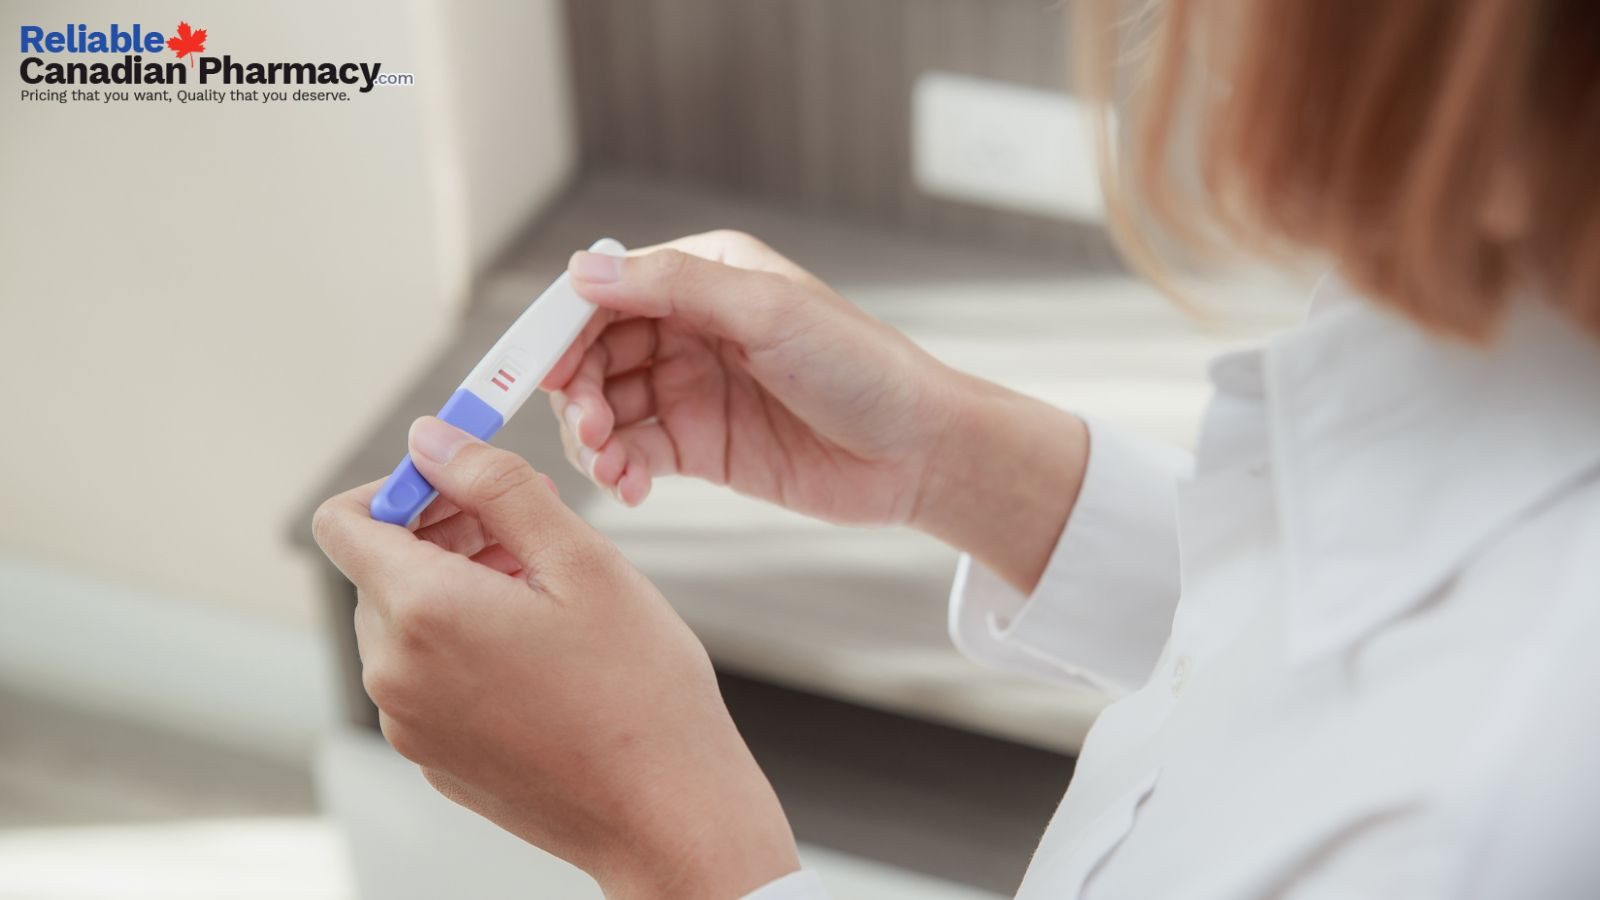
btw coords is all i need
(775, 290)
(384, 686)
(733, 237)
(366, 615)
(569, 446)
(325, 524)
(405, 740)
(420, 619)
(670, 264)
(502, 476)
(601, 353)
(774, 302)
(380, 589)
(415, 625)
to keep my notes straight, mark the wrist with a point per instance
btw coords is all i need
(738, 865)
(727, 875)
(1003, 479)
(720, 833)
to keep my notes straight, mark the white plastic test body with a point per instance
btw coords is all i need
(498, 385)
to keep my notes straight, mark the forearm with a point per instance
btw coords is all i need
(1004, 479)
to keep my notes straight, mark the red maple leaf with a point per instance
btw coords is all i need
(187, 41)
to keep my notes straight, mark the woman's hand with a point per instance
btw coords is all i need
(715, 357)
(542, 682)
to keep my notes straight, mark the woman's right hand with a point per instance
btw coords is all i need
(713, 356)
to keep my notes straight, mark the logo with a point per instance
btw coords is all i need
(79, 39)
(188, 42)
(141, 63)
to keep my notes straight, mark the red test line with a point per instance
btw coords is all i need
(510, 379)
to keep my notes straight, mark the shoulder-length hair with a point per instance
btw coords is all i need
(1377, 132)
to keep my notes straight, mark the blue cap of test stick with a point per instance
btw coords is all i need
(405, 492)
(498, 386)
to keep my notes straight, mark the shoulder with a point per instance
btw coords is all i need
(1529, 788)
(1549, 556)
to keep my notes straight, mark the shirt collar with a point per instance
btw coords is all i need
(1399, 456)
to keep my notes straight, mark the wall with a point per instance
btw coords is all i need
(500, 120)
(202, 306)
(807, 101)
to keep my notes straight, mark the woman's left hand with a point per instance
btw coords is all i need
(541, 681)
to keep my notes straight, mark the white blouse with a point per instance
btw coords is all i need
(1356, 632)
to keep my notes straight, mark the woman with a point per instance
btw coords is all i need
(1353, 630)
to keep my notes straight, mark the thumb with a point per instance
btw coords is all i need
(746, 306)
(516, 505)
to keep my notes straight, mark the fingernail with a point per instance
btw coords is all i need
(586, 461)
(437, 440)
(573, 415)
(596, 268)
(551, 484)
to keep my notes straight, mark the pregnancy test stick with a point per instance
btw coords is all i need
(498, 385)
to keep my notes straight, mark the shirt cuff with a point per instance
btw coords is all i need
(1102, 611)
(801, 885)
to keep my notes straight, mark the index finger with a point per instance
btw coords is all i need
(737, 249)
(364, 549)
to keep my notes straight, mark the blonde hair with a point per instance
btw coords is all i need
(1377, 132)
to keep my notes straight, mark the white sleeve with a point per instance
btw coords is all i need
(801, 885)
(1103, 609)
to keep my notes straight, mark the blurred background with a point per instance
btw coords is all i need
(212, 315)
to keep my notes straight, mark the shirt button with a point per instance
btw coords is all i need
(1180, 674)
